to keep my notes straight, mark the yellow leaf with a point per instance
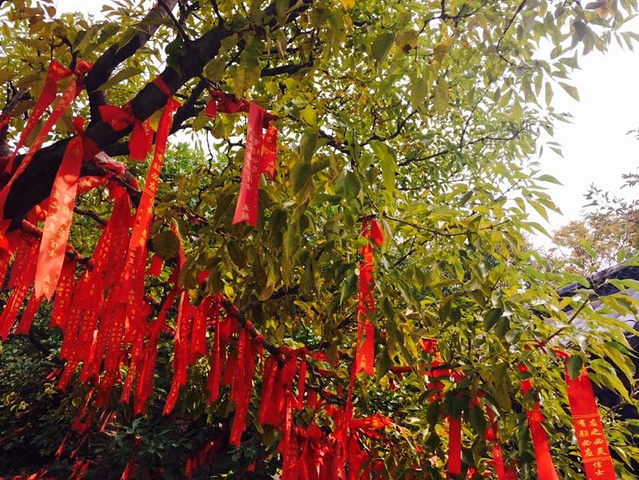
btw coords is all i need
(347, 3)
(309, 115)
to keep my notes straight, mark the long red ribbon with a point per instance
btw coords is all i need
(589, 429)
(55, 74)
(365, 349)
(57, 226)
(454, 446)
(61, 105)
(132, 287)
(545, 467)
(247, 209)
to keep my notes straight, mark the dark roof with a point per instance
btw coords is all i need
(598, 280)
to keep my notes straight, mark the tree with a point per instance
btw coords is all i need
(410, 121)
(605, 235)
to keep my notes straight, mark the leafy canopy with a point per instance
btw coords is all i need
(423, 114)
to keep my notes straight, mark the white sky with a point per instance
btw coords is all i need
(596, 146)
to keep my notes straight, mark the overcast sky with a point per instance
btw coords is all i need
(597, 148)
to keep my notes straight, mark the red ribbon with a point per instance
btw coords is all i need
(268, 162)
(120, 119)
(57, 226)
(24, 325)
(63, 295)
(545, 466)
(22, 286)
(247, 209)
(71, 92)
(260, 153)
(588, 428)
(242, 386)
(181, 356)
(213, 382)
(365, 348)
(55, 74)
(131, 288)
(503, 472)
(144, 385)
(454, 446)
(221, 102)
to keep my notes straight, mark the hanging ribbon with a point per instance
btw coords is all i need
(268, 162)
(57, 226)
(61, 105)
(144, 385)
(503, 472)
(132, 280)
(453, 467)
(365, 348)
(215, 374)
(181, 356)
(545, 466)
(242, 386)
(55, 74)
(22, 285)
(588, 428)
(260, 153)
(247, 209)
(63, 295)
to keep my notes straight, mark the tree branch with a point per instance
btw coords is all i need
(90, 214)
(35, 184)
(114, 56)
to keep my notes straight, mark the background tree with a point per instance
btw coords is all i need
(607, 234)
(420, 114)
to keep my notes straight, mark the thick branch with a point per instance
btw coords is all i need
(114, 56)
(34, 185)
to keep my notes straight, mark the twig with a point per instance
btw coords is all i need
(175, 21)
(90, 214)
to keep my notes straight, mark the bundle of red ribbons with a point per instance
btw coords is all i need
(583, 406)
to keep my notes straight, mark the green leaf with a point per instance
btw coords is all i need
(352, 185)
(570, 90)
(549, 179)
(300, 174)
(387, 163)
(381, 46)
(491, 318)
(166, 244)
(574, 366)
(441, 96)
(308, 145)
(419, 91)
(502, 385)
(119, 77)
(477, 420)
(309, 115)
